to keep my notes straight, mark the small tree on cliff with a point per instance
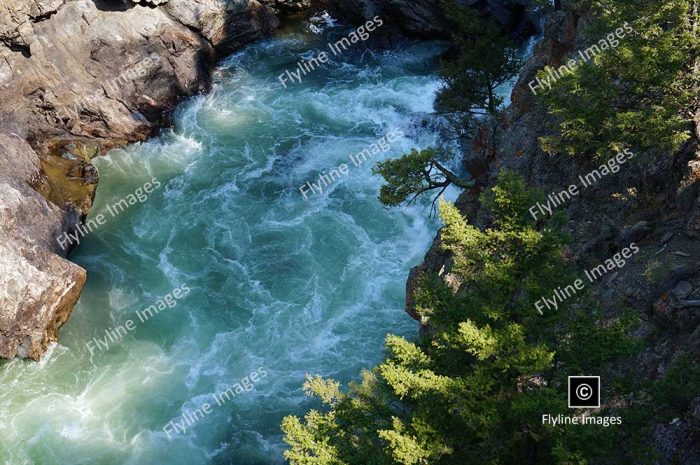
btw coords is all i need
(485, 59)
(414, 174)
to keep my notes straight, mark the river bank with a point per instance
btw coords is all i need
(75, 82)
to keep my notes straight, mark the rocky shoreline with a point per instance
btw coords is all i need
(78, 78)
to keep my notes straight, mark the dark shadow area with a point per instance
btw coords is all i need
(114, 5)
(17, 47)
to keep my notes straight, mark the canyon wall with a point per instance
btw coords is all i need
(425, 18)
(654, 203)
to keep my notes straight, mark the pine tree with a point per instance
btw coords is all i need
(642, 93)
(476, 390)
(485, 60)
(415, 173)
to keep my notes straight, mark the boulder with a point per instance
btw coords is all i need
(38, 286)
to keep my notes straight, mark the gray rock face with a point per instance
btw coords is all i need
(417, 18)
(425, 18)
(38, 287)
(291, 6)
(111, 71)
(77, 78)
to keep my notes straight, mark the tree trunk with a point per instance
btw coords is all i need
(453, 178)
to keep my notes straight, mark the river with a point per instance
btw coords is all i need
(268, 281)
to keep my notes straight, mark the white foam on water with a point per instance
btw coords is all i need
(290, 285)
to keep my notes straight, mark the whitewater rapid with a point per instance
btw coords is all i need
(276, 282)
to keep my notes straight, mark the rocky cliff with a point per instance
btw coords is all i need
(78, 77)
(655, 204)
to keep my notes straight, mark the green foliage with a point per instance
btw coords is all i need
(674, 392)
(476, 390)
(643, 93)
(588, 346)
(485, 59)
(347, 434)
(412, 175)
(511, 258)
(510, 200)
(405, 177)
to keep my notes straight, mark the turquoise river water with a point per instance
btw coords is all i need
(268, 281)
